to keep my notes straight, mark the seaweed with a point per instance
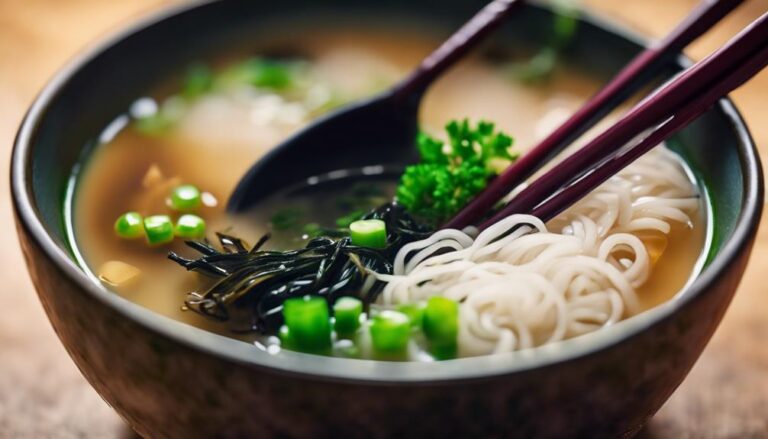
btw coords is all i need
(251, 284)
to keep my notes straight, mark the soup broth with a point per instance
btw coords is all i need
(221, 132)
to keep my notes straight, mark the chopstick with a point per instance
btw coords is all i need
(631, 78)
(670, 109)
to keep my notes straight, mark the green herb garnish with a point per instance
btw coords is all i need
(451, 174)
(197, 81)
(286, 219)
(272, 74)
(154, 125)
(542, 64)
(164, 119)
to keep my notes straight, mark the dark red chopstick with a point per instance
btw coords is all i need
(459, 44)
(571, 194)
(636, 74)
(697, 81)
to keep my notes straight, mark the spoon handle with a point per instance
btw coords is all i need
(455, 47)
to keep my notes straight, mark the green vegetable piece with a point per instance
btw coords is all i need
(197, 82)
(431, 149)
(441, 321)
(444, 351)
(185, 198)
(390, 332)
(271, 74)
(129, 226)
(370, 233)
(287, 218)
(565, 23)
(449, 177)
(164, 119)
(537, 69)
(414, 311)
(286, 339)
(312, 230)
(347, 311)
(190, 226)
(435, 192)
(158, 229)
(154, 125)
(308, 320)
(541, 66)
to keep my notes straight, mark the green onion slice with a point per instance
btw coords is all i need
(130, 225)
(185, 198)
(190, 226)
(308, 321)
(441, 326)
(347, 312)
(390, 332)
(370, 233)
(158, 229)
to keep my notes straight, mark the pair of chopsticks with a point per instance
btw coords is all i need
(668, 110)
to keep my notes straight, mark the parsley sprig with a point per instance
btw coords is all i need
(451, 174)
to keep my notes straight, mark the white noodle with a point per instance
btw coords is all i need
(521, 285)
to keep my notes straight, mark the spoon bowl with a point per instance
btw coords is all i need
(377, 131)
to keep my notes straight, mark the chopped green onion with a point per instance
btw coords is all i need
(165, 118)
(390, 331)
(198, 81)
(159, 229)
(185, 197)
(287, 218)
(190, 226)
(308, 320)
(347, 311)
(286, 340)
(414, 311)
(566, 22)
(129, 225)
(444, 351)
(370, 233)
(538, 68)
(154, 125)
(269, 74)
(311, 229)
(441, 326)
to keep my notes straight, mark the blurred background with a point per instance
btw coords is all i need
(42, 394)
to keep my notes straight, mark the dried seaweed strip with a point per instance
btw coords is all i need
(253, 284)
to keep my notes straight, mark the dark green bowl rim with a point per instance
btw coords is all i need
(339, 369)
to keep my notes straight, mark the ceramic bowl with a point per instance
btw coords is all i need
(167, 379)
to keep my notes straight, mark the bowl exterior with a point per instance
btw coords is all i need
(166, 389)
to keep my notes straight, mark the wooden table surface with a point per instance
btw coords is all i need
(42, 394)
